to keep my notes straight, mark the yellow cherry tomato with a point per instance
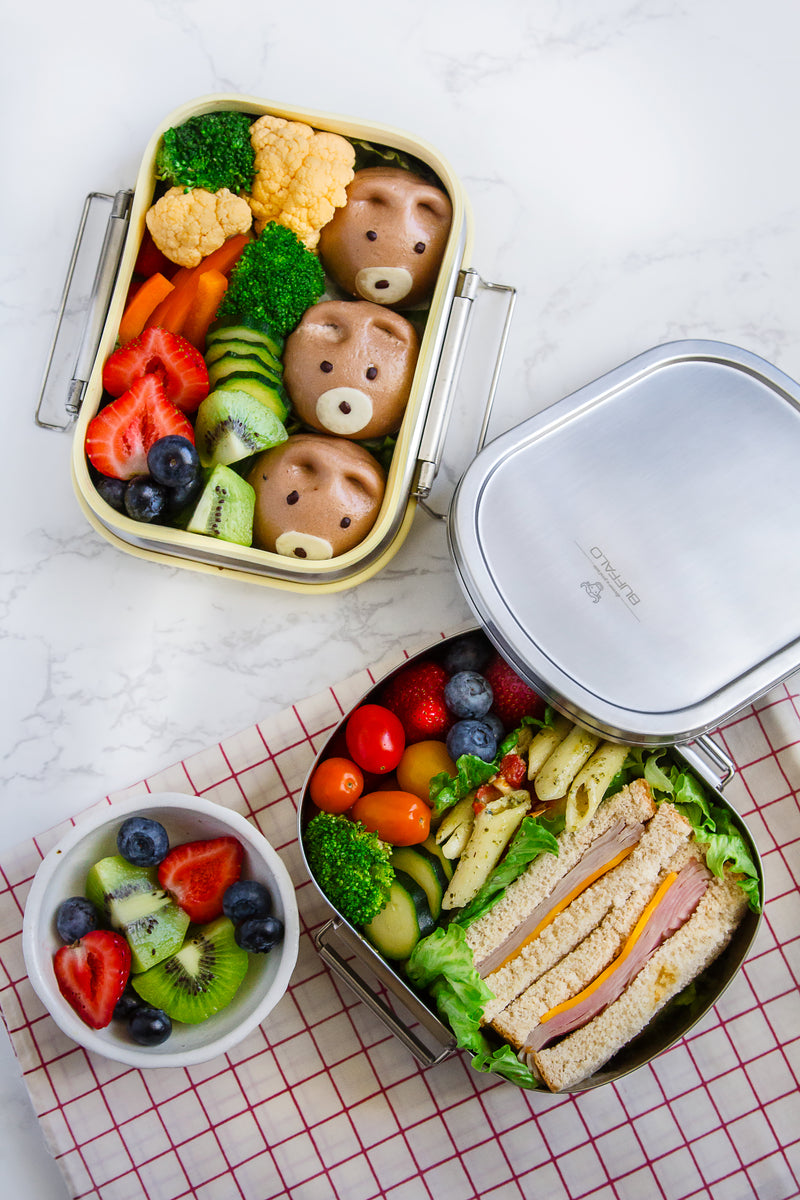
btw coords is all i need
(420, 762)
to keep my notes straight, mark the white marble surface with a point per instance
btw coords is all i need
(633, 169)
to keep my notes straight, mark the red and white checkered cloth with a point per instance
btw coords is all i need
(321, 1102)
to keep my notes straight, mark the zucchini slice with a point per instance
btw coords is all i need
(425, 869)
(403, 921)
(432, 846)
(249, 352)
(231, 327)
(234, 364)
(260, 387)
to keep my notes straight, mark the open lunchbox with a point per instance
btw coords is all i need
(628, 552)
(443, 323)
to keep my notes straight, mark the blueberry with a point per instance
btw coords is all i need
(173, 461)
(245, 899)
(495, 724)
(75, 917)
(180, 498)
(259, 934)
(142, 842)
(128, 1002)
(472, 737)
(145, 500)
(111, 490)
(467, 653)
(468, 694)
(149, 1026)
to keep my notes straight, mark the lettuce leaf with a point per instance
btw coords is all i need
(442, 963)
(445, 790)
(713, 826)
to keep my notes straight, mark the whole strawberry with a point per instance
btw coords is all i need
(513, 699)
(416, 696)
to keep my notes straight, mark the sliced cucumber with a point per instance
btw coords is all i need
(251, 351)
(427, 870)
(405, 919)
(260, 387)
(234, 327)
(432, 846)
(233, 364)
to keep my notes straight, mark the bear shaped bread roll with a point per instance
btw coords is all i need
(316, 496)
(348, 368)
(386, 244)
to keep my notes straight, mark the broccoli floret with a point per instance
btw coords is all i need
(350, 864)
(210, 151)
(274, 281)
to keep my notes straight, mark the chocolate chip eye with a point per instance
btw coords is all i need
(419, 248)
(371, 372)
(326, 366)
(345, 523)
(293, 497)
(372, 235)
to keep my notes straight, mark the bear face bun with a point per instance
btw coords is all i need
(348, 368)
(386, 244)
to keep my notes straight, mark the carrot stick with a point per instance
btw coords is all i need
(211, 287)
(176, 306)
(141, 305)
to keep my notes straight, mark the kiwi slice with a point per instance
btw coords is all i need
(225, 508)
(232, 425)
(201, 978)
(133, 902)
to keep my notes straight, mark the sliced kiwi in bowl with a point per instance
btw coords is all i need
(200, 979)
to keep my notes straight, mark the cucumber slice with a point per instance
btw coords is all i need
(251, 351)
(234, 327)
(403, 921)
(432, 846)
(260, 387)
(427, 870)
(231, 364)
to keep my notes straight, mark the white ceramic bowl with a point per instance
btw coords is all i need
(63, 873)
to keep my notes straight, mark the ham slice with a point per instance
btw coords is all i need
(604, 854)
(673, 904)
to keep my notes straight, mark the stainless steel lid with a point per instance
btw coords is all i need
(634, 550)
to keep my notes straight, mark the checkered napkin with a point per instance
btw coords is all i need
(322, 1102)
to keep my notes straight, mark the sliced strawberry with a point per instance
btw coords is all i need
(118, 438)
(157, 351)
(197, 875)
(92, 973)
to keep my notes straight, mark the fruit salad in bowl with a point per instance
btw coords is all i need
(161, 931)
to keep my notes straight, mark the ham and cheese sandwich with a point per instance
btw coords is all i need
(570, 959)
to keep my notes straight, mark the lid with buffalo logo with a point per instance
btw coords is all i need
(634, 550)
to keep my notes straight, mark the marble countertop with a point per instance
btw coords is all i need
(633, 171)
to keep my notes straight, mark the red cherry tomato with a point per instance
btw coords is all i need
(336, 785)
(399, 818)
(375, 738)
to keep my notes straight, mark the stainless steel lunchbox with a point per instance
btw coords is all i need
(418, 451)
(630, 552)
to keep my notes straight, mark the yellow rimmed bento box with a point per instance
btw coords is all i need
(442, 322)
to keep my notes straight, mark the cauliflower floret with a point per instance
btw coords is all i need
(188, 225)
(300, 176)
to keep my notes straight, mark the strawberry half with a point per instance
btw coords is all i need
(513, 699)
(416, 696)
(92, 973)
(156, 351)
(119, 437)
(197, 875)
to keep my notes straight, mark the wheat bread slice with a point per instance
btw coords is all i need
(663, 834)
(670, 969)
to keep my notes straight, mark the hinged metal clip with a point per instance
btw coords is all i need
(50, 409)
